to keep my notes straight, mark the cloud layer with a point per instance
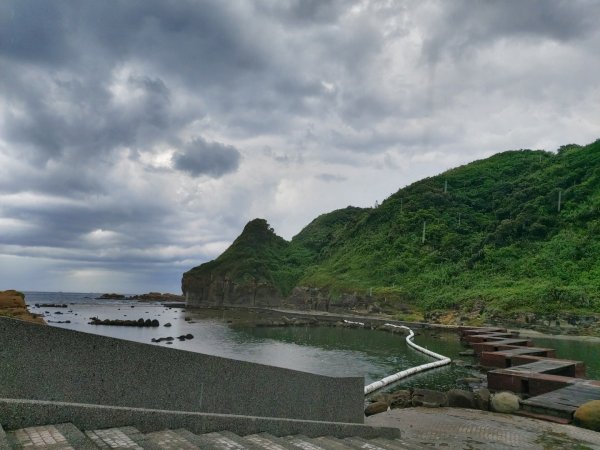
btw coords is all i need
(137, 137)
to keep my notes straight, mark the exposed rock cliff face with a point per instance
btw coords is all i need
(243, 274)
(12, 304)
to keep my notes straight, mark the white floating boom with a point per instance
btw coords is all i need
(442, 361)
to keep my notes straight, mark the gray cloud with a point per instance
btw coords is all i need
(105, 106)
(464, 26)
(200, 157)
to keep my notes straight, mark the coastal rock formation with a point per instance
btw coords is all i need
(12, 304)
(243, 274)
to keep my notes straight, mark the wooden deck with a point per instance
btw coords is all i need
(563, 402)
(495, 345)
(555, 387)
(503, 358)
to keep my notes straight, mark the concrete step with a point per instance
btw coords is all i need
(331, 442)
(222, 440)
(305, 443)
(22, 413)
(360, 443)
(3, 440)
(123, 437)
(269, 442)
(64, 436)
(168, 440)
(394, 444)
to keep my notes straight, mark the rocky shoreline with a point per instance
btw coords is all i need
(12, 304)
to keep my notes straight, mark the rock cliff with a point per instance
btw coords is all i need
(12, 304)
(243, 274)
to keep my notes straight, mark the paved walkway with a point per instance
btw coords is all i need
(457, 428)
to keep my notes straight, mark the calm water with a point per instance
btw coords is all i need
(323, 350)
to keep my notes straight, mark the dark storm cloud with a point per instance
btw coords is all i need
(200, 157)
(465, 25)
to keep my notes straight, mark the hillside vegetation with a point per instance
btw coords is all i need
(489, 233)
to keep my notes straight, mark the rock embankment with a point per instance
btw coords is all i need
(12, 304)
(482, 399)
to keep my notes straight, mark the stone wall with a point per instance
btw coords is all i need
(53, 364)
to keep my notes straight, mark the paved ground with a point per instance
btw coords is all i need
(456, 428)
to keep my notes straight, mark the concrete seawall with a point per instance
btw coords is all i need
(53, 364)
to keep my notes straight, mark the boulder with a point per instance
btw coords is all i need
(459, 398)
(383, 397)
(400, 399)
(375, 408)
(505, 402)
(482, 399)
(429, 398)
(588, 415)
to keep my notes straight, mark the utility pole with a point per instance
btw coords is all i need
(559, 198)
(445, 186)
(423, 237)
(400, 205)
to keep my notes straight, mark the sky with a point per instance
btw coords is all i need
(137, 137)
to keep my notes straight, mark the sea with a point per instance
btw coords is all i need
(322, 350)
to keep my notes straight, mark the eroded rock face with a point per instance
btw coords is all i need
(588, 415)
(12, 304)
(221, 291)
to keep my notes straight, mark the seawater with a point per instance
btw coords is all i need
(322, 350)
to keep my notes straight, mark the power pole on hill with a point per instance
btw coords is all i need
(400, 205)
(423, 237)
(445, 186)
(559, 198)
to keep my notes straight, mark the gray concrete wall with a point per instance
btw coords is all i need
(45, 363)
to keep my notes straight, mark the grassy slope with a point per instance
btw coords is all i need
(495, 237)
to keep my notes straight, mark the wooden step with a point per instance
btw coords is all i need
(504, 358)
(563, 402)
(486, 337)
(493, 346)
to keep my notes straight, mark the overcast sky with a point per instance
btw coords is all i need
(138, 137)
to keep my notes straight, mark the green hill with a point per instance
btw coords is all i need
(488, 233)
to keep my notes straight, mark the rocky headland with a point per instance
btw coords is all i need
(12, 304)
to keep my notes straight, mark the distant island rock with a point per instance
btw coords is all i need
(125, 323)
(149, 297)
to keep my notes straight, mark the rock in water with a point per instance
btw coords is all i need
(588, 415)
(505, 402)
(376, 408)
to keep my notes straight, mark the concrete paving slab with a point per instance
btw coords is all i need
(468, 428)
